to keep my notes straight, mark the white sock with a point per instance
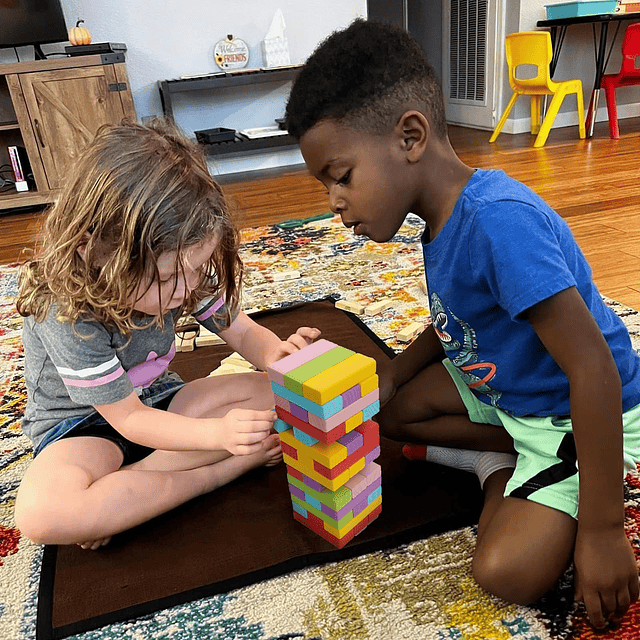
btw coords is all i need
(482, 463)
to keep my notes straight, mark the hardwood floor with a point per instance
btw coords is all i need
(594, 184)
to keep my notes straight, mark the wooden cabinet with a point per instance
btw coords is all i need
(53, 108)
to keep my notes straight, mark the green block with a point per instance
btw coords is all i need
(294, 379)
(333, 499)
(338, 524)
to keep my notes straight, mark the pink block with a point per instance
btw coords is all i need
(345, 414)
(277, 370)
(371, 472)
(364, 478)
(282, 402)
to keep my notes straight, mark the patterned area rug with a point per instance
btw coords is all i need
(419, 591)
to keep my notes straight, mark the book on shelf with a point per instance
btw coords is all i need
(21, 167)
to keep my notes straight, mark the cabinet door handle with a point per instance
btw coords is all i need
(36, 124)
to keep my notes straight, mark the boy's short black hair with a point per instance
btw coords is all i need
(365, 77)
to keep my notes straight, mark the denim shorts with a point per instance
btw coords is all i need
(158, 396)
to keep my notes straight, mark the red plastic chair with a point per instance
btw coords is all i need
(628, 75)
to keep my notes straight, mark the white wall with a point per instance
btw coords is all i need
(166, 39)
(577, 60)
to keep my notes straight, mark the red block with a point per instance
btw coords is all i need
(289, 450)
(312, 523)
(327, 437)
(371, 439)
(374, 514)
(295, 473)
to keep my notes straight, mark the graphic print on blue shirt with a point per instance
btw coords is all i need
(466, 359)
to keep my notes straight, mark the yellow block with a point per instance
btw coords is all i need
(368, 385)
(328, 455)
(341, 533)
(331, 484)
(338, 378)
(351, 423)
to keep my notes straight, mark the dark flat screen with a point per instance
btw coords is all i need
(31, 22)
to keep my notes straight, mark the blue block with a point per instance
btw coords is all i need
(313, 502)
(299, 509)
(374, 494)
(370, 411)
(321, 410)
(303, 437)
(280, 425)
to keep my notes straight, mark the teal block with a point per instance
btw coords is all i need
(370, 411)
(280, 425)
(324, 411)
(374, 494)
(299, 509)
(312, 502)
(305, 438)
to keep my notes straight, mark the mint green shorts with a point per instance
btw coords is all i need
(547, 466)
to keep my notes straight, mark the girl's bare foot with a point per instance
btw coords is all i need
(94, 544)
(272, 450)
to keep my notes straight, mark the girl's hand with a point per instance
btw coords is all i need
(298, 340)
(245, 430)
(606, 575)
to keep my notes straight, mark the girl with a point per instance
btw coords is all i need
(140, 235)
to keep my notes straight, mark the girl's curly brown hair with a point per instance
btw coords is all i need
(137, 192)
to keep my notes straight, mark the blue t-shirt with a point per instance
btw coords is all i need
(502, 251)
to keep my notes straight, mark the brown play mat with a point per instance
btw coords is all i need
(244, 532)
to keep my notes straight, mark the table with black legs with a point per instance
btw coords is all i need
(558, 30)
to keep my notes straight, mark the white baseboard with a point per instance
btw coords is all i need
(570, 118)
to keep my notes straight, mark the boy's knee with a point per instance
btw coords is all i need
(508, 578)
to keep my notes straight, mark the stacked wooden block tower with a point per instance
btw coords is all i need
(325, 398)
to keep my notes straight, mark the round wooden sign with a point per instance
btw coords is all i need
(231, 53)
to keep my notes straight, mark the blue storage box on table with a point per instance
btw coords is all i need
(560, 10)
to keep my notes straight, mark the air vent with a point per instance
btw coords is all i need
(468, 50)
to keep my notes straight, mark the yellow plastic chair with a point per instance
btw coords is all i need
(533, 48)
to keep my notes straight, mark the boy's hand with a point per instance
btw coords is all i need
(606, 575)
(296, 341)
(386, 386)
(244, 430)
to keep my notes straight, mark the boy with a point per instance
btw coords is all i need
(522, 353)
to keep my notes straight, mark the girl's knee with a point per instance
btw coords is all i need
(33, 521)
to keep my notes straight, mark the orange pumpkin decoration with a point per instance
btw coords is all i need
(79, 35)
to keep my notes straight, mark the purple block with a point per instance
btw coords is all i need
(351, 395)
(310, 482)
(298, 412)
(296, 492)
(370, 457)
(360, 504)
(352, 440)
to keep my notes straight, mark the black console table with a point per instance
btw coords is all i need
(558, 29)
(223, 79)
